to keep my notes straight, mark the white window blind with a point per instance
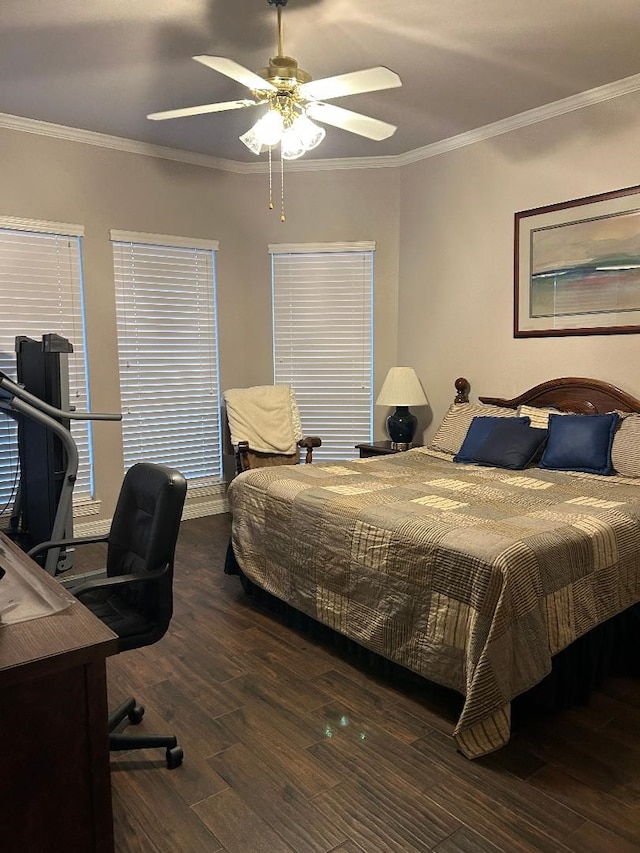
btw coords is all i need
(168, 352)
(322, 339)
(42, 293)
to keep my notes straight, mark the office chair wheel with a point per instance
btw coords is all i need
(174, 757)
(136, 714)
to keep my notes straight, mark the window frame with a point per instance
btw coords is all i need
(158, 249)
(340, 313)
(68, 320)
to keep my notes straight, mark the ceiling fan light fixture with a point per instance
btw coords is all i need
(252, 141)
(270, 127)
(291, 146)
(265, 133)
(311, 133)
(293, 98)
(302, 136)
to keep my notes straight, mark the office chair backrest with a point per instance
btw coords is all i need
(143, 536)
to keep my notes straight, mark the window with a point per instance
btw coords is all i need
(42, 293)
(322, 339)
(168, 352)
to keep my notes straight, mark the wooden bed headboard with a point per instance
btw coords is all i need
(568, 394)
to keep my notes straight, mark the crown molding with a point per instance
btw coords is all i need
(386, 162)
(131, 146)
(538, 114)
(117, 143)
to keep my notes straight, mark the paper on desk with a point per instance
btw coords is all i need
(23, 598)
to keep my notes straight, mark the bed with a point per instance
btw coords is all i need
(471, 574)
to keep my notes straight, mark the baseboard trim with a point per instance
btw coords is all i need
(201, 508)
(197, 509)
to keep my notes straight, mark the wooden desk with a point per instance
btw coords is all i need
(55, 789)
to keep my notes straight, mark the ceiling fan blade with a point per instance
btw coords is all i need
(236, 71)
(202, 110)
(367, 80)
(371, 128)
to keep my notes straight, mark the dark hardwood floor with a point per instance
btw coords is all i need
(292, 747)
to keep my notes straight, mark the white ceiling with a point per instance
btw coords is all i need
(102, 65)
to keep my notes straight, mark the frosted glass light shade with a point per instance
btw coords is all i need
(402, 388)
(301, 136)
(251, 140)
(269, 128)
(310, 133)
(291, 144)
(267, 131)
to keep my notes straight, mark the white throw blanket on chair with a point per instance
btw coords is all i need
(266, 416)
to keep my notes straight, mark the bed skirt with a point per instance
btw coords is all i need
(610, 649)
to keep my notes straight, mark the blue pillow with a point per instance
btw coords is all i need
(511, 444)
(580, 443)
(478, 431)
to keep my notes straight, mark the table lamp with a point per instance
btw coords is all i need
(401, 389)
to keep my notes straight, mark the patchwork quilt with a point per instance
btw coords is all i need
(471, 576)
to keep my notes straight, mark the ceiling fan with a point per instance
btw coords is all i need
(293, 99)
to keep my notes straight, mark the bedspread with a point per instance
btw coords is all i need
(473, 577)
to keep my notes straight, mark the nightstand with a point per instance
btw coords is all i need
(380, 448)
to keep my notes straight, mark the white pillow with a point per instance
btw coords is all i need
(538, 416)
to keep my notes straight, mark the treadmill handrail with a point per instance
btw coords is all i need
(65, 504)
(12, 387)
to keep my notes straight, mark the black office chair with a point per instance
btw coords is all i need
(136, 598)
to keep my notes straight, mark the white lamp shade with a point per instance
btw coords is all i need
(402, 388)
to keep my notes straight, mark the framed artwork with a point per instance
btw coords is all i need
(577, 267)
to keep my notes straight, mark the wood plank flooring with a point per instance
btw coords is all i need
(293, 747)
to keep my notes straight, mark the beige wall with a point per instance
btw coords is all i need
(99, 188)
(456, 254)
(444, 260)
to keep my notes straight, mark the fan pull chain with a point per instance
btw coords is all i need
(270, 183)
(282, 216)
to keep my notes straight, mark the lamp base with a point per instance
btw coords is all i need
(401, 426)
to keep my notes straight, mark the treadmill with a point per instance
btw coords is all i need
(39, 402)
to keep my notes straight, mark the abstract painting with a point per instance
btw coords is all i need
(577, 267)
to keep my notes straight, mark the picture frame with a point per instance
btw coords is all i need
(577, 267)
